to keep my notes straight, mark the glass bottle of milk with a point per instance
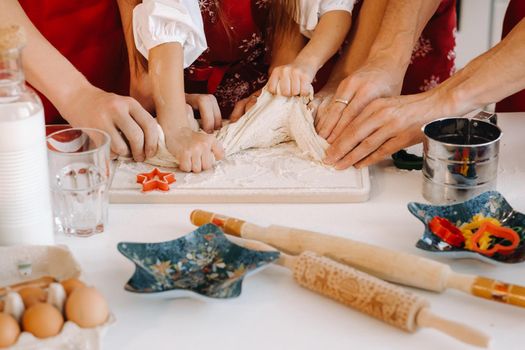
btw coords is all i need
(25, 205)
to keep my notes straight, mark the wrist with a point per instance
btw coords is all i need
(67, 94)
(65, 99)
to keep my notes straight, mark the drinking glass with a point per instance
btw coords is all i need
(79, 166)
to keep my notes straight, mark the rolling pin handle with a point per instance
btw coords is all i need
(460, 331)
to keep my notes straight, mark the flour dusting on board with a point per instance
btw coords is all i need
(283, 166)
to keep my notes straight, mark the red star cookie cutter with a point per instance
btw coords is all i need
(155, 180)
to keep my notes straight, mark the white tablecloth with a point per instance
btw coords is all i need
(275, 313)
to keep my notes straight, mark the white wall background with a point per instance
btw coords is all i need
(479, 28)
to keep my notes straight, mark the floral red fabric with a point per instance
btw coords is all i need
(515, 13)
(89, 34)
(433, 56)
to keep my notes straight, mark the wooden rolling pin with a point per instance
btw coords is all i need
(387, 264)
(368, 294)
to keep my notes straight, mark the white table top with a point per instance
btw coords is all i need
(275, 313)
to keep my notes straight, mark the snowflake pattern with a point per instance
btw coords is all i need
(231, 90)
(209, 8)
(262, 4)
(430, 83)
(254, 45)
(422, 48)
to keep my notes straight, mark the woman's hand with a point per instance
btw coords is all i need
(243, 106)
(195, 151)
(384, 127)
(354, 93)
(292, 80)
(123, 118)
(208, 109)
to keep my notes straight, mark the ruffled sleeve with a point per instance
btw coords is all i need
(311, 10)
(156, 22)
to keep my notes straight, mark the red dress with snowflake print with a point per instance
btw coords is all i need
(234, 65)
(515, 13)
(433, 56)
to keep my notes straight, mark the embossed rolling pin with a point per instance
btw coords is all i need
(368, 294)
(387, 264)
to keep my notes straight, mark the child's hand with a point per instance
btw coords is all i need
(195, 151)
(243, 106)
(291, 80)
(208, 109)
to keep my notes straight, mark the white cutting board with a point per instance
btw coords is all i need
(278, 174)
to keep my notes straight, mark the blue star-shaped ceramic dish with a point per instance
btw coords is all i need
(490, 204)
(203, 262)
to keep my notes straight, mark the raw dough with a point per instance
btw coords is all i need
(273, 120)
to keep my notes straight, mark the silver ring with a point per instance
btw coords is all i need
(346, 102)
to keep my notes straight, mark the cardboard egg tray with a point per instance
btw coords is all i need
(26, 263)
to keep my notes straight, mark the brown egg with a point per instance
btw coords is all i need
(86, 307)
(71, 284)
(32, 295)
(42, 320)
(9, 330)
(2, 305)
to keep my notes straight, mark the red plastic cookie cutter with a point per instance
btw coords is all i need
(155, 180)
(506, 233)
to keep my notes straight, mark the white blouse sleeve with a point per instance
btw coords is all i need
(311, 10)
(156, 22)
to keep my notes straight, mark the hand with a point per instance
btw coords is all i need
(195, 151)
(123, 118)
(209, 110)
(243, 106)
(385, 126)
(292, 80)
(372, 81)
(322, 100)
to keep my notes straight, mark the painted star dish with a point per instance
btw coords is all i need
(202, 263)
(490, 204)
(155, 180)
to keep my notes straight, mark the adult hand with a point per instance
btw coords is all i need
(322, 100)
(353, 94)
(382, 128)
(123, 118)
(208, 109)
(291, 80)
(195, 151)
(243, 106)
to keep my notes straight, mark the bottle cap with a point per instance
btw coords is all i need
(12, 37)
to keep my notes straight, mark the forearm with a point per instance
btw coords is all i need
(43, 64)
(285, 48)
(326, 39)
(167, 76)
(491, 77)
(403, 22)
(126, 15)
(362, 36)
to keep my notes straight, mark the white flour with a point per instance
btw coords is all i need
(282, 166)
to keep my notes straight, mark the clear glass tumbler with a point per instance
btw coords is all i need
(79, 166)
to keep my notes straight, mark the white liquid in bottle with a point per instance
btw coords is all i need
(25, 204)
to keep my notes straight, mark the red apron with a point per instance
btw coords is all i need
(515, 13)
(89, 34)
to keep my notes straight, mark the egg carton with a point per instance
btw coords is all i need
(26, 263)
